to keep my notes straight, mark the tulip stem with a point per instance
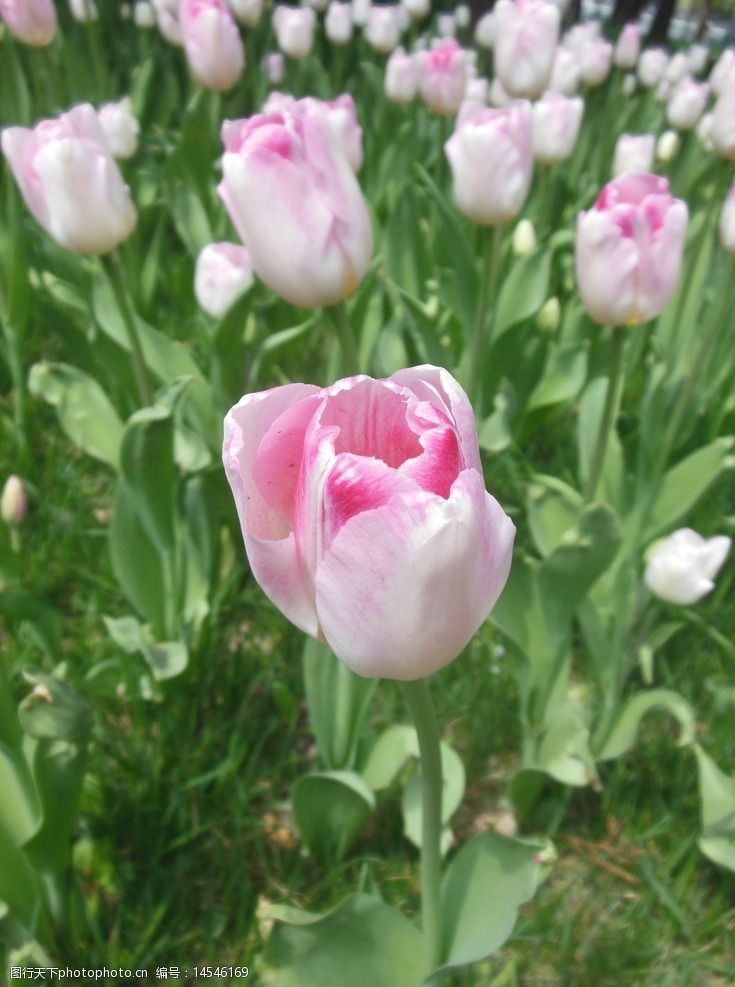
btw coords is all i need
(488, 279)
(350, 356)
(608, 412)
(113, 270)
(419, 701)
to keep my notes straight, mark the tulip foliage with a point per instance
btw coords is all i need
(454, 313)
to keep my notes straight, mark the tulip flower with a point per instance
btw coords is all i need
(485, 30)
(84, 11)
(360, 12)
(628, 46)
(629, 250)
(526, 36)
(293, 198)
(401, 77)
(247, 12)
(365, 516)
(633, 153)
(417, 9)
(497, 96)
(579, 35)
(667, 146)
(595, 62)
(275, 67)
(556, 121)
(681, 569)
(524, 239)
(167, 15)
(566, 73)
(212, 43)
(677, 68)
(698, 56)
(652, 66)
(723, 71)
(462, 15)
(490, 153)
(727, 222)
(120, 127)
(144, 15)
(446, 25)
(31, 21)
(70, 181)
(294, 27)
(13, 502)
(443, 74)
(686, 103)
(383, 31)
(629, 84)
(338, 23)
(722, 130)
(223, 272)
(704, 131)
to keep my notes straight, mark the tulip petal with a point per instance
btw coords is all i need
(403, 588)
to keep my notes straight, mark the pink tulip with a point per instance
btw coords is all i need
(727, 222)
(212, 43)
(629, 250)
(633, 153)
(628, 46)
(526, 36)
(70, 181)
(294, 27)
(490, 153)
(401, 77)
(595, 62)
(686, 103)
(338, 23)
(275, 67)
(223, 272)
(120, 127)
(342, 120)
(652, 66)
(293, 198)
(443, 74)
(556, 121)
(565, 75)
(383, 29)
(31, 21)
(722, 130)
(167, 16)
(578, 36)
(723, 71)
(365, 516)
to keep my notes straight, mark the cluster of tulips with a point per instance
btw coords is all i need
(362, 503)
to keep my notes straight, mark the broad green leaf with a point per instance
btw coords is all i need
(523, 292)
(137, 564)
(388, 755)
(166, 659)
(623, 734)
(53, 710)
(84, 410)
(553, 508)
(483, 888)
(148, 469)
(496, 432)
(35, 613)
(563, 749)
(453, 779)
(20, 809)
(362, 942)
(563, 378)
(330, 808)
(684, 484)
(338, 701)
(717, 798)
(610, 488)
(20, 887)
(58, 772)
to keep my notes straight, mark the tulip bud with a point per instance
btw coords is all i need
(628, 46)
(727, 222)
(723, 71)
(212, 43)
(295, 202)
(294, 29)
(663, 91)
(556, 122)
(686, 103)
(247, 12)
(485, 30)
(677, 68)
(548, 318)
(526, 36)
(31, 21)
(144, 16)
(223, 272)
(490, 153)
(524, 238)
(417, 9)
(633, 153)
(120, 127)
(383, 31)
(443, 74)
(652, 66)
(629, 84)
(275, 67)
(667, 146)
(566, 73)
(338, 23)
(462, 15)
(698, 56)
(446, 25)
(722, 130)
(14, 502)
(595, 62)
(84, 11)
(70, 181)
(681, 569)
(629, 250)
(704, 131)
(360, 12)
(579, 35)
(365, 516)
(401, 77)
(167, 15)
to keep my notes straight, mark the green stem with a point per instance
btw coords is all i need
(113, 270)
(350, 356)
(12, 346)
(488, 279)
(422, 710)
(608, 411)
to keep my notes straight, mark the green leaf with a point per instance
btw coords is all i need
(20, 811)
(388, 755)
(523, 292)
(362, 942)
(588, 424)
(85, 412)
(53, 710)
(717, 797)
(553, 508)
(625, 729)
(166, 659)
(684, 484)
(330, 808)
(338, 701)
(41, 617)
(58, 771)
(485, 885)
(496, 431)
(563, 750)
(563, 379)
(453, 785)
(20, 887)
(150, 473)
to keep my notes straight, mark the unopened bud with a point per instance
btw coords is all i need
(524, 238)
(548, 317)
(14, 503)
(667, 146)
